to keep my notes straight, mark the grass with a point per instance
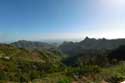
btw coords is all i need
(52, 78)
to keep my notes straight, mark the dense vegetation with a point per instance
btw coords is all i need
(88, 61)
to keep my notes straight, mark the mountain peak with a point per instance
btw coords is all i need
(86, 38)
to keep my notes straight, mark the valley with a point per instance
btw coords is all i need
(87, 61)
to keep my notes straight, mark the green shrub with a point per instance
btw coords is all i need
(115, 79)
(86, 70)
(3, 76)
(66, 80)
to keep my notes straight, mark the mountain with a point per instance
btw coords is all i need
(43, 56)
(87, 44)
(19, 64)
(32, 45)
(90, 59)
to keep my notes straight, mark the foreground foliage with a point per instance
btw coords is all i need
(48, 66)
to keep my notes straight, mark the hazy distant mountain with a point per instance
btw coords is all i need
(90, 44)
(32, 45)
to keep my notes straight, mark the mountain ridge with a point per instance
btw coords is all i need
(32, 44)
(73, 48)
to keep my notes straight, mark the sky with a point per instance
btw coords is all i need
(61, 19)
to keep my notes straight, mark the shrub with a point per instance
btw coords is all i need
(66, 80)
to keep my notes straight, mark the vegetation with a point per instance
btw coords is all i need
(22, 64)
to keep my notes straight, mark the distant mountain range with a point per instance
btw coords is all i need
(32, 45)
(72, 48)
(28, 60)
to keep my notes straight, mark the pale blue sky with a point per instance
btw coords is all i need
(61, 19)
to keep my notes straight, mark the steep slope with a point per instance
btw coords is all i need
(89, 43)
(72, 49)
(21, 65)
(14, 52)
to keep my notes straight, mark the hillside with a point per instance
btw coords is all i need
(15, 63)
(30, 45)
(28, 61)
(72, 48)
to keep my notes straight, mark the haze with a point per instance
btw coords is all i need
(61, 19)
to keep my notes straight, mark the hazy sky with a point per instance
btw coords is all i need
(61, 19)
